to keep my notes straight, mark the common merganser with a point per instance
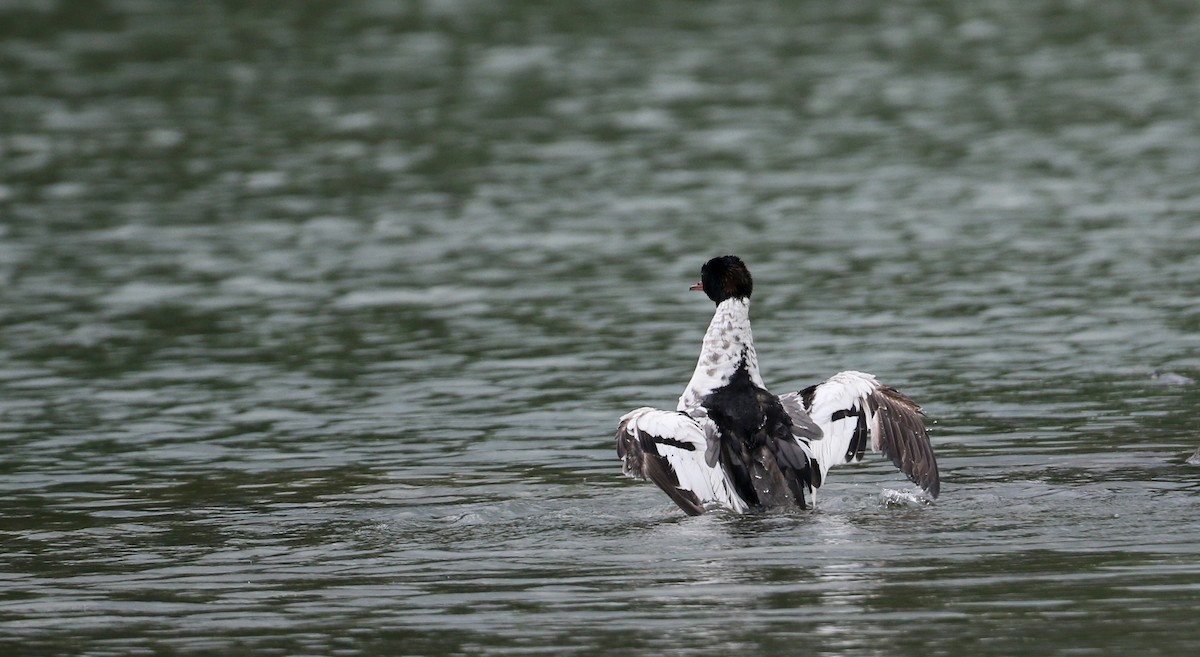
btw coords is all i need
(731, 444)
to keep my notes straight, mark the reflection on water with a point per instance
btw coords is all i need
(315, 321)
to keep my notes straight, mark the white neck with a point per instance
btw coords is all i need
(727, 343)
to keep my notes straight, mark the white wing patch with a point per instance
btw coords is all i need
(677, 451)
(853, 410)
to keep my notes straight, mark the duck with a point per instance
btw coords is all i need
(732, 445)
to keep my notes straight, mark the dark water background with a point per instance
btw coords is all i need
(316, 319)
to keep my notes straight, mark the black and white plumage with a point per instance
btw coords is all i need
(732, 444)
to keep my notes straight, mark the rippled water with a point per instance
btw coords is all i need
(316, 320)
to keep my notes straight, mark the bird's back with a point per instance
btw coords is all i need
(758, 450)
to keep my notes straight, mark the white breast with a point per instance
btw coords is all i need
(728, 343)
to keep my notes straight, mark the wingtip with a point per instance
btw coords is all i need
(934, 488)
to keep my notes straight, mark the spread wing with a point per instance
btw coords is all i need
(679, 453)
(853, 410)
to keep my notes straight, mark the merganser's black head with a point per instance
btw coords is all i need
(724, 278)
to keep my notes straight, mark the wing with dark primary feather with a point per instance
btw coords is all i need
(678, 452)
(853, 411)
